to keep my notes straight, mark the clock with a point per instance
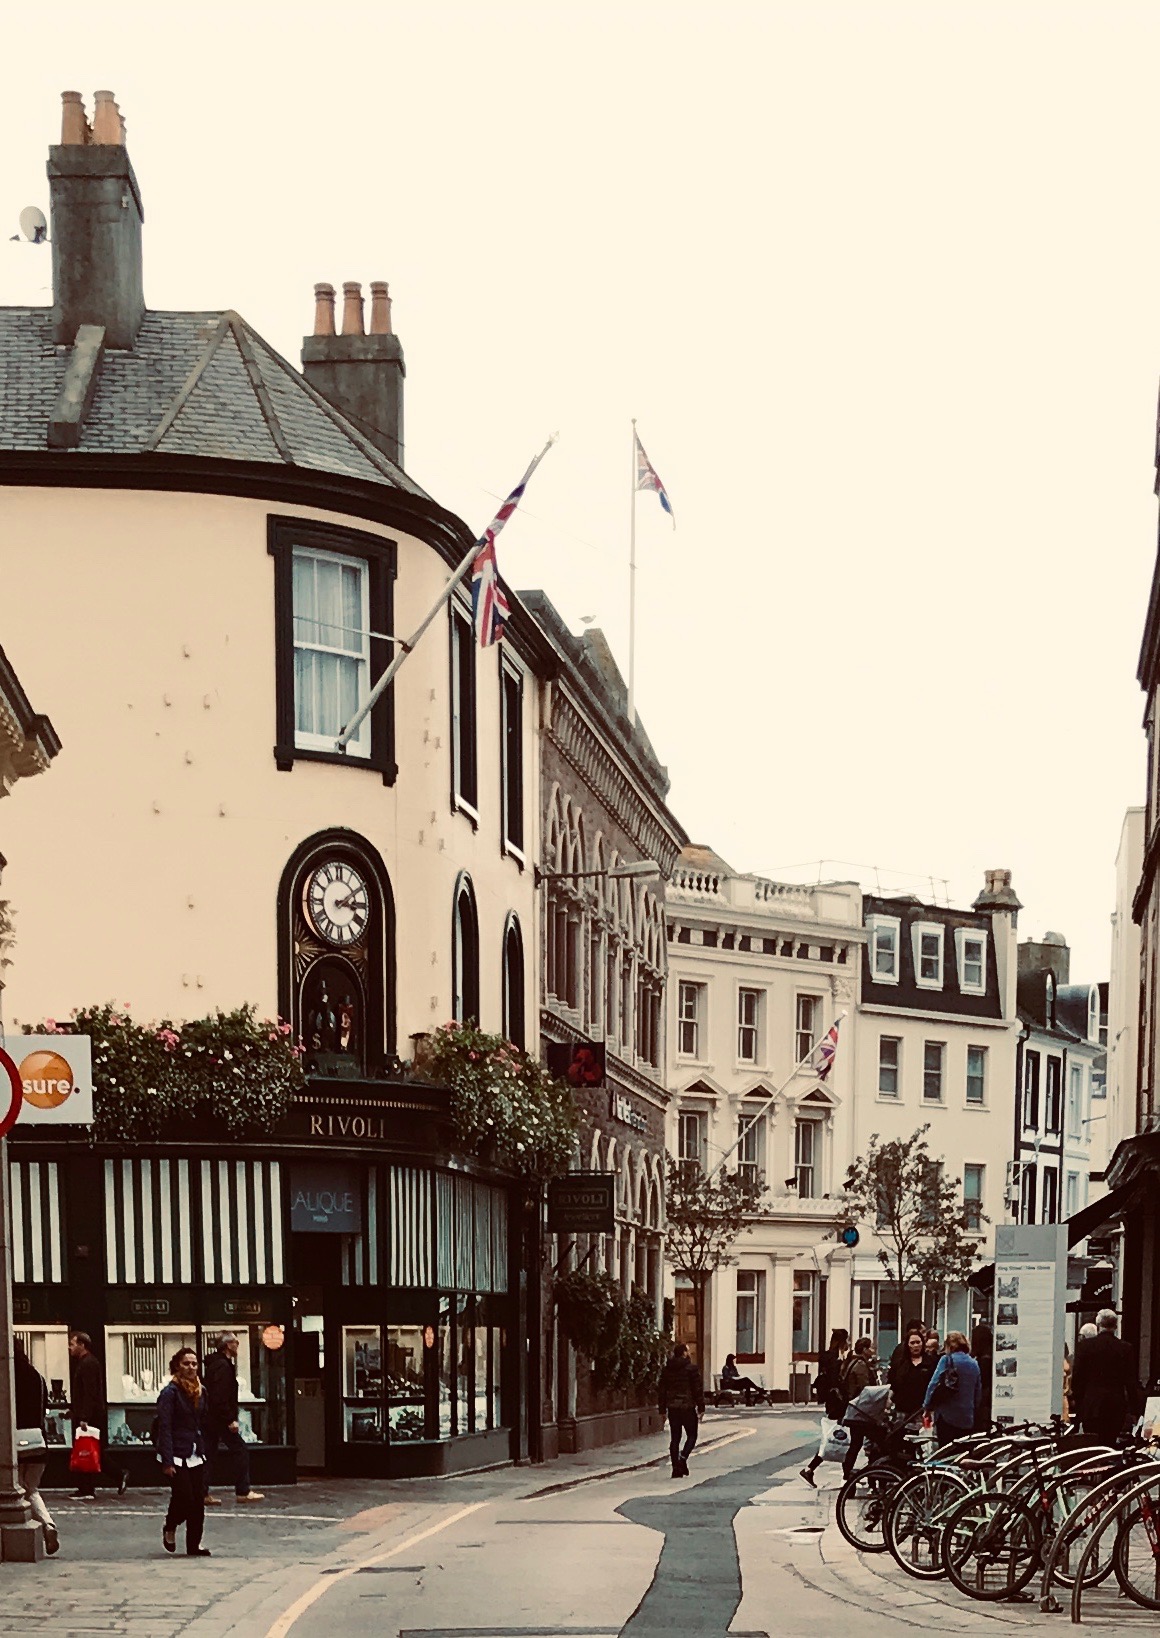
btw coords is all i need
(337, 902)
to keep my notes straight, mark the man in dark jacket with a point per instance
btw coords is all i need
(681, 1395)
(89, 1410)
(1104, 1386)
(221, 1386)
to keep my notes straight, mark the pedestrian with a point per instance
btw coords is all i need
(734, 1382)
(910, 1376)
(901, 1351)
(932, 1347)
(1104, 1386)
(682, 1397)
(31, 1393)
(955, 1391)
(826, 1389)
(182, 1451)
(90, 1412)
(857, 1373)
(221, 1418)
(983, 1349)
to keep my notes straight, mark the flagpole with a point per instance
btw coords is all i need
(405, 646)
(632, 592)
(769, 1102)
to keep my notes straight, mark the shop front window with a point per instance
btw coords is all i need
(446, 1368)
(362, 1386)
(137, 1368)
(47, 1348)
(465, 1374)
(406, 1395)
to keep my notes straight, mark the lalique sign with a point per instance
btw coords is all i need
(325, 1199)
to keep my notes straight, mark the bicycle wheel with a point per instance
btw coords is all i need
(991, 1546)
(915, 1517)
(1066, 1504)
(1136, 1555)
(861, 1504)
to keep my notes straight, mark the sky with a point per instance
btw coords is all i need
(881, 285)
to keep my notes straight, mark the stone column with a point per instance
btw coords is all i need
(779, 1321)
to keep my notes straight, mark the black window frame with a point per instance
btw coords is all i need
(514, 980)
(511, 760)
(283, 534)
(463, 700)
(465, 943)
(1030, 1091)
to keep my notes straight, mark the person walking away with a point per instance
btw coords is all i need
(827, 1391)
(857, 1373)
(909, 1377)
(221, 1418)
(90, 1412)
(954, 1392)
(1104, 1386)
(182, 1451)
(31, 1394)
(983, 1350)
(682, 1398)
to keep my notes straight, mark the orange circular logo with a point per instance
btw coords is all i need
(47, 1079)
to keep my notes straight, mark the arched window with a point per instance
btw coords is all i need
(336, 954)
(464, 953)
(513, 983)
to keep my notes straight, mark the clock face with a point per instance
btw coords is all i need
(337, 902)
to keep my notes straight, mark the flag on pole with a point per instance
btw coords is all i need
(647, 477)
(488, 599)
(826, 1050)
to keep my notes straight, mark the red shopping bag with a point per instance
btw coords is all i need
(86, 1454)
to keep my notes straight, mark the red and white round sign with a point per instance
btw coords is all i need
(12, 1096)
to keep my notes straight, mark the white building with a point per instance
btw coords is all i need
(1123, 1003)
(758, 970)
(936, 1043)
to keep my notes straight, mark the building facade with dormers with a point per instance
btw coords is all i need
(604, 996)
(937, 1037)
(758, 972)
(233, 546)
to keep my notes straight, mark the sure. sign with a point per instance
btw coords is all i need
(11, 1093)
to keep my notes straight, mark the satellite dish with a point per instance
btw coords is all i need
(33, 224)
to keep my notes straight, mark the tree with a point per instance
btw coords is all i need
(704, 1215)
(918, 1216)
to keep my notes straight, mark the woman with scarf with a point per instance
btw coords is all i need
(182, 1452)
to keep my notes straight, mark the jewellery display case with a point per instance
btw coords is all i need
(136, 1369)
(362, 1383)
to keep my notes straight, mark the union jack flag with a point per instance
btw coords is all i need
(488, 599)
(647, 478)
(826, 1049)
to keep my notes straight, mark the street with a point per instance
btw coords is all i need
(579, 1548)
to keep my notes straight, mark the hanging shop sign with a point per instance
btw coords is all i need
(56, 1078)
(582, 1203)
(325, 1198)
(579, 1063)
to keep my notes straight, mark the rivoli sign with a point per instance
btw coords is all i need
(325, 1198)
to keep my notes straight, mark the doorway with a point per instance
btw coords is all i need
(316, 1265)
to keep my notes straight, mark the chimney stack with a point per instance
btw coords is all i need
(96, 225)
(361, 375)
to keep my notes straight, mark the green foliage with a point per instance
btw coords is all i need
(235, 1071)
(502, 1096)
(7, 933)
(918, 1215)
(619, 1337)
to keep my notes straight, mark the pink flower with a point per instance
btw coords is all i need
(50, 1026)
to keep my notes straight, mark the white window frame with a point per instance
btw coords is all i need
(975, 1103)
(896, 1042)
(963, 937)
(360, 745)
(928, 929)
(977, 1199)
(1093, 1031)
(883, 928)
(694, 1019)
(1075, 1103)
(751, 1026)
(511, 760)
(751, 1136)
(814, 1033)
(1052, 1173)
(690, 1120)
(1071, 1194)
(805, 1291)
(464, 734)
(942, 1072)
(813, 1166)
(752, 1294)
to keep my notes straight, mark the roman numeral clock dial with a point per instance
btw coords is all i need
(337, 903)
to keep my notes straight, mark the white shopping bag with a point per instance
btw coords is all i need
(835, 1443)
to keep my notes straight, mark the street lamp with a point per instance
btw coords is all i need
(645, 870)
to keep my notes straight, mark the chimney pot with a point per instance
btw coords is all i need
(323, 309)
(380, 308)
(352, 309)
(74, 127)
(108, 126)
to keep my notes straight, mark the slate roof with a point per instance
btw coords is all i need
(193, 384)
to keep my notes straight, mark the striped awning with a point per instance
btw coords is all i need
(148, 1222)
(242, 1223)
(37, 1221)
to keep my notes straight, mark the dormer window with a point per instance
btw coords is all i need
(884, 949)
(971, 948)
(1093, 1030)
(928, 955)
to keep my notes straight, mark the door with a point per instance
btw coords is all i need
(316, 1270)
(685, 1320)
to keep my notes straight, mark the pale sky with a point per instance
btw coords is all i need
(881, 284)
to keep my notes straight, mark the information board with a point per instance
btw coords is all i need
(1030, 1304)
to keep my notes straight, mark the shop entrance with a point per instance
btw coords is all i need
(317, 1269)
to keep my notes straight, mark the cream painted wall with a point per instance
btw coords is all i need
(146, 871)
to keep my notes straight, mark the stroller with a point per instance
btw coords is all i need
(887, 1430)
